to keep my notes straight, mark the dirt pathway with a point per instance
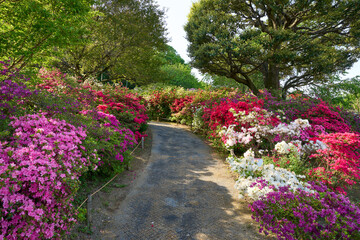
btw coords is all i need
(184, 192)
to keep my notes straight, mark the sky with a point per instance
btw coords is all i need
(177, 11)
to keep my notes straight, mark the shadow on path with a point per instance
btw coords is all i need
(184, 193)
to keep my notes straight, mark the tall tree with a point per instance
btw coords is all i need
(292, 43)
(29, 27)
(175, 71)
(125, 36)
(344, 93)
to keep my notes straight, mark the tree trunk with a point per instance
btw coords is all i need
(247, 81)
(253, 88)
(271, 75)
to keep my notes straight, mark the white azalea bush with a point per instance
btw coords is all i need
(259, 131)
(252, 170)
(293, 129)
(287, 148)
(250, 129)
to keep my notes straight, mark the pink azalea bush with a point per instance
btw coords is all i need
(322, 114)
(111, 140)
(40, 171)
(52, 80)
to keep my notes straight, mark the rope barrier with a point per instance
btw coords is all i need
(108, 181)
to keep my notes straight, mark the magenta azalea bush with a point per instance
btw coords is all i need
(39, 172)
(320, 214)
(111, 141)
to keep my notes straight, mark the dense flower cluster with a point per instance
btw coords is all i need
(51, 80)
(323, 115)
(179, 104)
(252, 170)
(249, 127)
(338, 165)
(125, 106)
(159, 103)
(113, 142)
(318, 214)
(221, 114)
(39, 172)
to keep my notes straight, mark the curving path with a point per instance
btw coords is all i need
(185, 192)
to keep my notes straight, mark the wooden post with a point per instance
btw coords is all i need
(88, 214)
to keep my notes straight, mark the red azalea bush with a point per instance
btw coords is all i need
(339, 164)
(39, 172)
(125, 106)
(182, 110)
(179, 104)
(159, 103)
(219, 114)
(324, 115)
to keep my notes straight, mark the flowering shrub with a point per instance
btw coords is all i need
(118, 121)
(52, 80)
(197, 123)
(293, 155)
(159, 103)
(322, 114)
(125, 106)
(251, 170)
(338, 165)
(220, 115)
(249, 129)
(112, 141)
(316, 111)
(116, 100)
(179, 104)
(39, 173)
(59, 133)
(319, 214)
(182, 110)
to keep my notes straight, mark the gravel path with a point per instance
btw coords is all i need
(185, 192)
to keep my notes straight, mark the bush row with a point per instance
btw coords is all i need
(294, 158)
(52, 133)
